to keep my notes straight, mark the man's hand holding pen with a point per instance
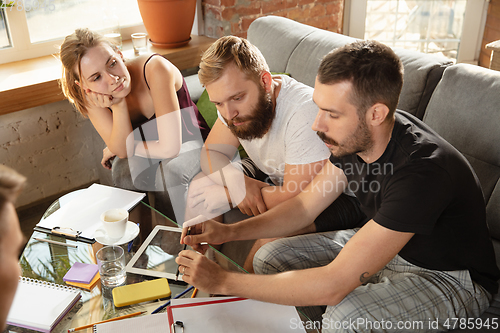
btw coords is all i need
(197, 269)
(208, 231)
(202, 272)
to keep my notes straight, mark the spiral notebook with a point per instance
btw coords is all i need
(40, 305)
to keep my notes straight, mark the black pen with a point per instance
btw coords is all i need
(185, 246)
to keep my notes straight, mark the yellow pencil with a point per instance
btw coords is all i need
(195, 291)
(105, 321)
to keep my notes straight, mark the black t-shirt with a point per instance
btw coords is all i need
(422, 184)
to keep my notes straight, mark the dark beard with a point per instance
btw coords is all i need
(258, 123)
(359, 141)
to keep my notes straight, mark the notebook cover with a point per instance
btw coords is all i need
(81, 273)
(141, 292)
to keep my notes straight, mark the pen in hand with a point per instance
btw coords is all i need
(185, 246)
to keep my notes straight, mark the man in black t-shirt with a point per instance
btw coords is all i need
(421, 261)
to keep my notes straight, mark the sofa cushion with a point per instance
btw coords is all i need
(464, 109)
(277, 37)
(422, 73)
(207, 109)
(194, 87)
(305, 59)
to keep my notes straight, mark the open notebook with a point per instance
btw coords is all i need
(40, 305)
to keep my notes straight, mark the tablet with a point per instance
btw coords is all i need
(156, 256)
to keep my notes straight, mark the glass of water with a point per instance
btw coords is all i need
(111, 261)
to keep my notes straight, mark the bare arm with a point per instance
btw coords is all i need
(296, 179)
(221, 145)
(258, 196)
(162, 77)
(219, 150)
(113, 126)
(368, 251)
(285, 219)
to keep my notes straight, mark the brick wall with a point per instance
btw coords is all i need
(491, 32)
(53, 146)
(233, 17)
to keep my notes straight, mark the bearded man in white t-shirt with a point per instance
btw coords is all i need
(271, 117)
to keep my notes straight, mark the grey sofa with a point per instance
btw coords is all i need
(461, 102)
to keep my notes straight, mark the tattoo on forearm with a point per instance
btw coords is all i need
(364, 277)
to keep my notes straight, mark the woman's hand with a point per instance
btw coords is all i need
(98, 99)
(107, 157)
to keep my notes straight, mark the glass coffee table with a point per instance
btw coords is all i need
(50, 262)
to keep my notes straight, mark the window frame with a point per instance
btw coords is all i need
(21, 47)
(472, 30)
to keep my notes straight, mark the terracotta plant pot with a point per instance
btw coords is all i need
(168, 22)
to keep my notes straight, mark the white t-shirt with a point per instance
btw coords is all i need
(290, 140)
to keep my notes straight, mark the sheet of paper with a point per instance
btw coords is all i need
(83, 212)
(242, 316)
(157, 323)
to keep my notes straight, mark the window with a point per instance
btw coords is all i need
(32, 28)
(452, 28)
(4, 36)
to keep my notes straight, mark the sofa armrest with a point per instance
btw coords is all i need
(194, 87)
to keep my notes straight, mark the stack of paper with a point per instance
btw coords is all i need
(82, 275)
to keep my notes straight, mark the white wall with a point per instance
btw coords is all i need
(53, 146)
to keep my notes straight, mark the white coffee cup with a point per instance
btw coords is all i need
(115, 222)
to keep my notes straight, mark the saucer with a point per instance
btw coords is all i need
(130, 233)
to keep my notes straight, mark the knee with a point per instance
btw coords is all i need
(120, 173)
(177, 171)
(345, 317)
(337, 321)
(266, 259)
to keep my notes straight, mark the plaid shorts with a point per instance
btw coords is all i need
(401, 297)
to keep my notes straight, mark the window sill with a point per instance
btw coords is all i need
(34, 82)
